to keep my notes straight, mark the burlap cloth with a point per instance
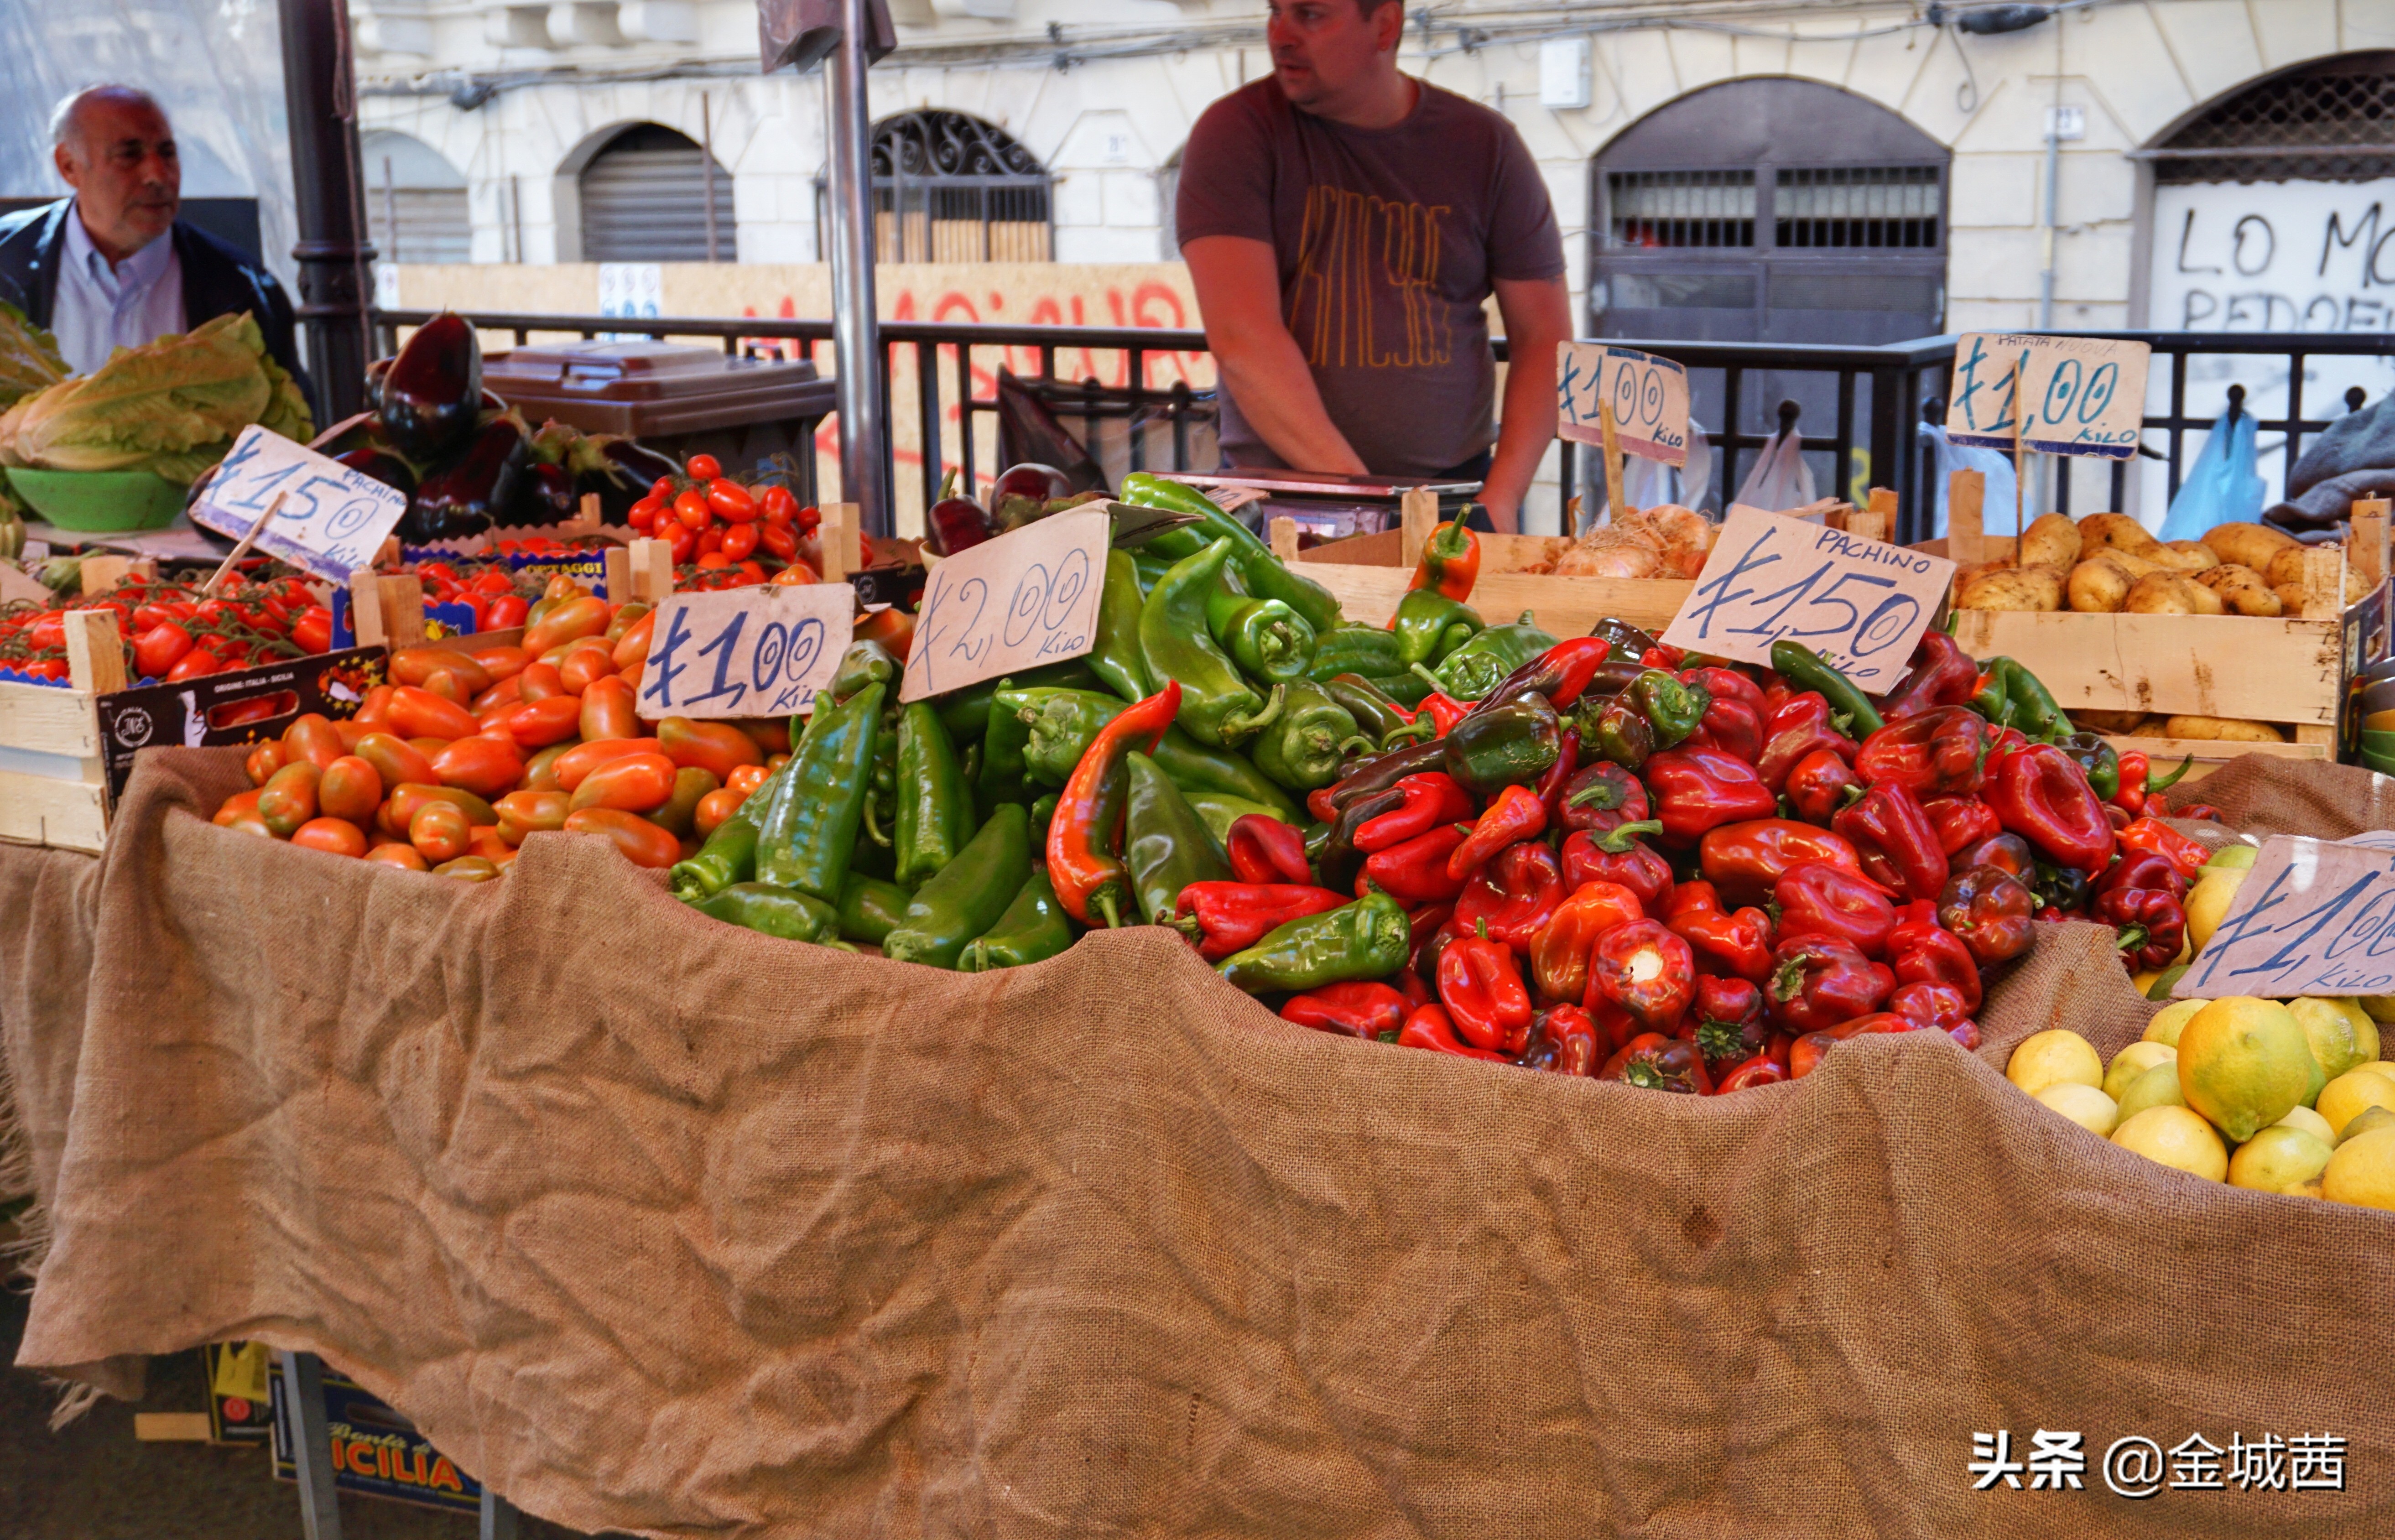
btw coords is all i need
(662, 1225)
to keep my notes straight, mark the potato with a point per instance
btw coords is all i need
(2100, 586)
(2115, 532)
(2250, 545)
(2115, 723)
(2221, 730)
(2241, 589)
(2033, 589)
(2287, 566)
(2187, 556)
(2051, 538)
(2291, 595)
(2168, 593)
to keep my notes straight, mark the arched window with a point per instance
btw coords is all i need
(950, 188)
(652, 195)
(415, 200)
(2333, 120)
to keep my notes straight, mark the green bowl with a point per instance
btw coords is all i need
(100, 502)
(2383, 763)
(2376, 742)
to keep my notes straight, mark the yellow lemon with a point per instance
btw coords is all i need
(2381, 1007)
(2277, 1160)
(2133, 1061)
(2348, 1095)
(2083, 1104)
(2362, 1171)
(2051, 1057)
(2243, 1062)
(2207, 902)
(2310, 1123)
(2362, 1123)
(2165, 1026)
(2377, 1067)
(2157, 1087)
(2343, 1036)
(2176, 1138)
(2233, 857)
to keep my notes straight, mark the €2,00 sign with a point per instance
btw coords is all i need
(1649, 397)
(1024, 598)
(745, 652)
(331, 520)
(1861, 603)
(2076, 396)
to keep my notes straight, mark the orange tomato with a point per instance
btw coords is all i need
(636, 783)
(609, 710)
(894, 628)
(641, 842)
(250, 823)
(400, 809)
(634, 645)
(264, 760)
(314, 739)
(538, 724)
(540, 771)
(415, 665)
(417, 713)
(583, 666)
(795, 574)
(507, 691)
(406, 856)
(715, 807)
(525, 813)
(429, 746)
(501, 662)
(375, 710)
(350, 729)
(485, 763)
(394, 760)
(773, 734)
(448, 686)
(439, 832)
(716, 745)
(333, 836)
(540, 680)
(239, 804)
(630, 675)
(579, 760)
(746, 780)
(570, 621)
(560, 586)
(288, 798)
(350, 790)
(469, 868)
(489, 846)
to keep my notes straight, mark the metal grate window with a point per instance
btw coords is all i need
(1890, 207)
(949, 187)
(652, 195)
(1681, 209)
(2328, 122)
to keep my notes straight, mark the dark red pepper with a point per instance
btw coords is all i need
(1561, 673)
(1516, 815)
(1603, 796)
(1512, 897)
(2007, 853)
(2143, 868)
(1762, 1069)
(1820, 982)
(1654, 1062)
(1990, 908)
(1223, 918)
(1809, 1050)
(1798, 727)
(1264, 849)
(1941, 673)
(1739, 942)
(1415, 872)
(1564, 1042)
(1559, 775)
(1357, 1010)
(1943, 748)
(2042, 795)
(1893, 836)
(1699, 790)
(1483, 993)
(1746, 860)
(1620, 856)
(1641, 978)
(1822, 783)
(1430, 1026)
(2152, 922)
(1730, 727)
(1961, 819)
(1938, 1005)
(1816, 899)
(1728, 1024)
(1429, 800)
(1923, 951)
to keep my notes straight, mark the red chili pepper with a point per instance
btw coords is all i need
(1663, 655)
(1797, 727)
(2043, 797)
(1516, 815)
(1654, 1062)
(1641, 978)
(1941, 673)
(1938, 1005)
(1264, 849)
(1762, 1069)
(1816, 898)
(2152, 922)
(1430, 799)
(1450, 562)
(1739, 941)
(1445, 711)
(1728, 1024)
(1566, 670)
(2196, 812)
(1943, 748)
(1813, 1047)
(1699, 790)
(1511, 897)
(1086, 829)
(1990, 908)
(1923, 951)
(1358, 1010)
(1414, 871)
(1223, 918)
(1559, 952)
(1550, 784)
(1483, 993)
(1746, 860)
(2131, 797)
(1431, 1027)
(1563, 1042)
(1893, 836)
(1425, 926)
(1603, 796)
(1818, 981)
(1820, 784)
(2153, 837)
(1619, 856)
(1961, 819)
(2143, 868)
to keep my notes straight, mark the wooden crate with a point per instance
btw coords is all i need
(53, 785)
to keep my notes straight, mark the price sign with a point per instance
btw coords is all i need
(1024, 598)
(2075, 395)
(1862, 604)
(332, 521)
(746, 652)
(2312, 918)
(1649, 397)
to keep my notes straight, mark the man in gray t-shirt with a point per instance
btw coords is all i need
(1343, 224)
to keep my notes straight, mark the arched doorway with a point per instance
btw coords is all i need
(652, 195)
(948, 187)
(415, 200)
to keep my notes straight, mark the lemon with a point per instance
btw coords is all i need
(2233, 857)
(2362, 1123)
(2381, 1007)
(2143, 982)
(2157, 1087)
(2347, 1095)
(2378, 1066)
(2310, 1123)
(2165, 1026)
(2277, 1160)
(2133, 1061)
(2362, 1171)
(2342, 1034)
(2083, 1104)
(2177, 1138)
(2207, 902)
(2244, 1062)
(2052, 1056)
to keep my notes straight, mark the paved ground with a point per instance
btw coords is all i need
(93, 1481)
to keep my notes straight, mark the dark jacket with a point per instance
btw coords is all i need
(218, 279)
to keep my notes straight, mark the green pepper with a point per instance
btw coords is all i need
(935, 808)
(1303, 749)
(772, 910)
(1365, 939)
(866, 662)
(1265, 638)
(1994, 699)
(1003, 741)
(1041, 811)
(1508, 745)
(1621, 733)
(1116, 657)
(1219, 810)
(1807, 670)
(1671, 706)
(1217, 706)
(1367, 650)
(806, 840)
(1429, 626)
(2099, 758)
(1378, 715)
(870, 909)
(1062, 722)
(1165, 843)
(1034, 928)
(1149, 566)
(969, 894)
(1482, 663)
(1409, 689)
(2035, 712)
(1266, 575)
(1196, 767)
(730, 854)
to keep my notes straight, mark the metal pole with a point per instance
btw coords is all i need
(856, 331)
(303, 1386)
(706, 169)
(2046, 279)
(320, 96)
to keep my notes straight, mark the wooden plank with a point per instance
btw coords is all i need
(1966, 493)
(652, 571)
(170, 1427)
(615, 562)
(1417, 518)
(1386, 549)
(99, 574)
(40, 810)
(2263, 669)
(841, 538)
(1567, 607)
(48, 721)
(1282, 531)
(2212, 754)
(95, 652)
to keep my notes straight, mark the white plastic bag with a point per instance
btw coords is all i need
(1649, 483)
(1997, 507)
(1780, 479)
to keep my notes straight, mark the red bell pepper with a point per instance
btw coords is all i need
(1727, 1025)
(2007, 853)
(1961, 819)
(1818, 981)
(1822, 783)
(1430, 1026)
(1816, 898)
(1723, 683)
(1512, 897)
(1990, 908)
(1417, 993)
(1699, 790)
(1729, 726)
(1654, 1062)
(1415, 872)
(1559, 952)
(1641, 978)
(2192, 812)
(1943, 748)
(1515, 816)
(1445, 711)
(1739, 943)
(1483, 993)
(1450, 562)
(1563, 1041)
(1663, 655)
(1431, 798)
(1223, 918)
(1426, 934)
(1357, 1010)
(1746, 860)
(2152, 922)
(1602, 797)
(2143, 868)
(2152, 836)
(1762, 1069)
(1620, 856)
(1938, 1005)
(1899, 847)
(1813, 1047)
(1941, 673)
(1923, 951)
(1798, 727)
(1264, 849)
(2043, 796)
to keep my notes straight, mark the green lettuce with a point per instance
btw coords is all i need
(30, 360)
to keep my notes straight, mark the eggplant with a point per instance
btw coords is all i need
(468, 497)
(432, 392)
(545, 494)
(383, 466)
(619, 470)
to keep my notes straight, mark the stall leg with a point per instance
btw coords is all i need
(303, 1378)
(498, 1516)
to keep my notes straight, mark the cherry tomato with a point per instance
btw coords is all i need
(160, 648)
(636, 783)
(777, 541)
(419, 713)
(194, 664)
(440, 832)
(333, 836)
(711, 540)
(691, 510)
(730, 501)
(795, 574)
(311, 629)
(713, 561)
(609, 710)
(681, 542)
(288, 798)
(713, 808)
(506, 612)
(702, 468)
(643, 515)
(395, 853)
(263, 761)
(536, 725)
(641, 842)
(779, 505)
(578, 762)
(739, 541)
(350, 788)
(394, 760)
(240, 805)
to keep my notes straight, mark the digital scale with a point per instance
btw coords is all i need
(1325, 505)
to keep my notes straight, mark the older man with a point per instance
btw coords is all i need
(112, 267)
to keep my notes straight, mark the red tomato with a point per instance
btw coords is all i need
(643, 514)
(739, 541)
(397, 855)
(313, 738)
(780, 506)
(288, 798)
(540, 680)
(609, 710)
(394, 760)
(583, 758)
(191, 665)
(636, 783)
(501, 662)
(240, 805)
(312, 629)
(375, 710)
(160, 648)
(263, 761)
(538, 724)
(710, 541)
(641, 842)
(730, 501)
(523, 813)
(506, 612)
(692, 511)
(585, 666)
(777, 541)
(796, 573)
(507, 691)
(419, 713)
(416, 665)
(682, 540)
(493, 583)
(350, 788)
(713, 808)
(440, 832)
(716, 747)
(713, 561)
(570, 621)
(702, 468)
(333, 836)
(485, 763)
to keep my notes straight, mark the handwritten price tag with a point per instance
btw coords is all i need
(1649, 397)
(2078, 395)
(333, 519)
(748, 652)
(1861, 603)
(1011, 604)
(2311, 918)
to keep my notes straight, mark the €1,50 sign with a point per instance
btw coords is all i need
(1024, 598)
(1861, 603)
(1649, 397)
(2056, 395)
(745, 652)
(331, 519)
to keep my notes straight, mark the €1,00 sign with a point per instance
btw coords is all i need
(1861, 603)
(2311, 918)
(331, 519)
(1649, 397)
(1024, 598)
(745, 652)
(2075, 395)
